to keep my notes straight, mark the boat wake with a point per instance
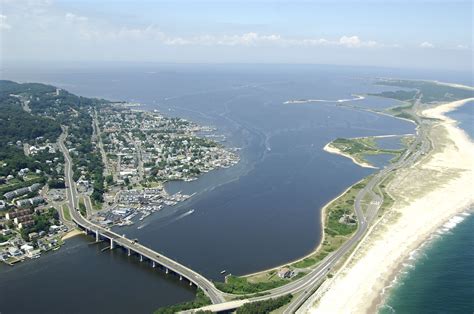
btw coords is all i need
(189, 212)
(142, 226)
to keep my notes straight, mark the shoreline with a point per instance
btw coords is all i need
(70, 234)
(332, 150)
(323, 236)
(388, 245)
(395, 275)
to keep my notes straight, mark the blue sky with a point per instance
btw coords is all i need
(421, 34)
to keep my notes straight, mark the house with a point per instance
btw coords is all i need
(54, 229)
(23, 172)
(285, 272)
(14, 251)
(26, 248)
(26, 224)
(6, 232)
(22, 191)
(17, 213)
(30, 201)
(33, 235)
(21, 218)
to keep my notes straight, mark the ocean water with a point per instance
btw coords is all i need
(439, 277)
(465, 117)
(261, 213)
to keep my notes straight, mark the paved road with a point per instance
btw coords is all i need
(98, 135)
(207, 286)
(419, 147)
(306, 285)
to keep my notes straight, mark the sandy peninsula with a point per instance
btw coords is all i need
(333, 150)
(426, 195)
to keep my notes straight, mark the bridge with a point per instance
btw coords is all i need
(144, 253)
(304, 286)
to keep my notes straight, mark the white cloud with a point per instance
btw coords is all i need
(462, 47)
(254, 39)
(355, 42)
(75, 18)
(426, 44)
(3, 23)
(352, 41)
(52, 22)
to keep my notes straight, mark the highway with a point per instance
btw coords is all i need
(302, 287)
(307, 285)
(115, 239)
(419, 147)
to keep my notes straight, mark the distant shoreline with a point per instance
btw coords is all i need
(305, 101)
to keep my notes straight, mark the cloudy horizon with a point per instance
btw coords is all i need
(418, 34)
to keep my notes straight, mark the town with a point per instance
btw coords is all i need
(141, 151)
(122, 158)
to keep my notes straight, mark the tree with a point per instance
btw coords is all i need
(109, 179)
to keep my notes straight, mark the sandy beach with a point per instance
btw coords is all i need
(333, 150)
(72, 233)
(426, 196)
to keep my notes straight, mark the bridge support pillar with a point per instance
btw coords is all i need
(141, 258)
(190, 283)
(129, 252)
(112, 244)
(167, 271)
(180, 277)
(97, 236)
(153, 264)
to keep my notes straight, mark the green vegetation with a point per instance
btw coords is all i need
(56, 183)
(265, 306)
(42, 222)
(3, 238)
(398, 95)
(200, 301)
(311, 260)
(17, 124)
(241, 285)
(358, 148)
(403, 111)
(33, 114)
(338, 225)
(253, 295)
(19, 183)
(109, 179)
(431, 91)
(82, 207)
(66, 213)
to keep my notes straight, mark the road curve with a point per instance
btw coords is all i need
(306, 284)
(115, 239)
